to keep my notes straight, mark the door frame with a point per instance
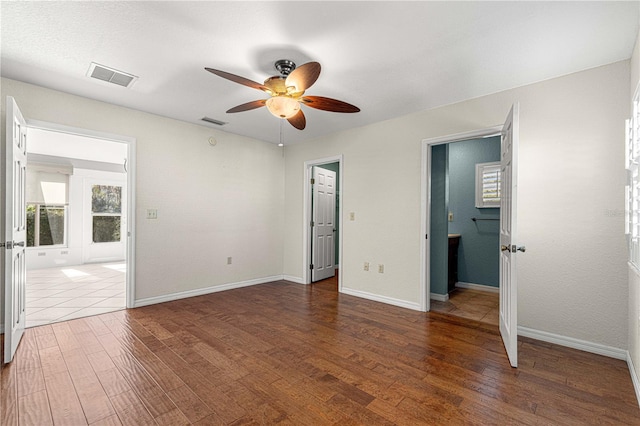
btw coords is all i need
(307, 238)
(425, 202)
(131, 190)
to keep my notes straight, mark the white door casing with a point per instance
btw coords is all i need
(15, 228)
(323, 224)
(508, 235)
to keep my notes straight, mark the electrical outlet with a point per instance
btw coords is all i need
(229, 260)
(152, 213)
(381, 268)
(366, 266)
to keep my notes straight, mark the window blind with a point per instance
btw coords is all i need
(48, 185)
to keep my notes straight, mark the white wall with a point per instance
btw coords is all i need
(572, 280)
(213, 202)
(60, 144)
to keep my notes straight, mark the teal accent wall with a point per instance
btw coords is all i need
(478, 255)
(335, 167)
(453, 168)
(438, 264)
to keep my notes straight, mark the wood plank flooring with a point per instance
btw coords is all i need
(283, 353)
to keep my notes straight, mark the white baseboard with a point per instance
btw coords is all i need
(634, 377)
(570, 342)
(297, 280)
(439, 297)
(383, 299)
(201, 291)
(479, 287)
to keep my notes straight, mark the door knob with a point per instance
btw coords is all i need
(522, 249)
(504, 248)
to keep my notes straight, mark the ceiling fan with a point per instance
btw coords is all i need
(287, 92)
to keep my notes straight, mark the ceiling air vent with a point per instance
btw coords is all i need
(111, 75)
(214, 121)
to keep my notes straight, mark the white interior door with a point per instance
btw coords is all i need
(15, 228)
(323, 224)
(508, 248)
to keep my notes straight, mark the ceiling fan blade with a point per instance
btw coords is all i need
(248, 106)
(238, 79)
(328, 104)
(298, 121)
(304, 76)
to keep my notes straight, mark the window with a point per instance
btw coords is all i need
(106, 212)
(488, 185)
(46, 225)
(47, 195)
(632, 154)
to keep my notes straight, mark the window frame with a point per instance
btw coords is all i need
(481, 169)
(101, 214)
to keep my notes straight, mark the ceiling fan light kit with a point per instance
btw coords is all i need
(286, 91)
(283, 106)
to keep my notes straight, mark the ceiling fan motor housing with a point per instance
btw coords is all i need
(285, 66)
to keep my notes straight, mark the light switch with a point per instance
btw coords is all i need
(450, 216)
(352, 216)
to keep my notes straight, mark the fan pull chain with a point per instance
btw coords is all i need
(281, 132)
(281, 141)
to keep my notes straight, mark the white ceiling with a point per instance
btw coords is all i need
(388, 58)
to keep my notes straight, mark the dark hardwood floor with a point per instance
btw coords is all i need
(283, 353)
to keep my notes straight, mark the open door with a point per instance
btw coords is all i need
(508, 249)
(15, 229)
(323, 224)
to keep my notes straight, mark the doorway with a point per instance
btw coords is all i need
(508, 247)
(76, 226)
(334, 165)
(465, 231)
(427, 204)
(80, 204)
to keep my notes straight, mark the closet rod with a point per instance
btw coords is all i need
(479, 218)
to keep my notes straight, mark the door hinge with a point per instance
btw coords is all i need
(312, 224)
(313, 181)
(426, 236)
(311, 266)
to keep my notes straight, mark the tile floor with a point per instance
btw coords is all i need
(478, 305)
(60, 294)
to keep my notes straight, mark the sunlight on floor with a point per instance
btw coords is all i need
(73, 273)
(122, 267)
(60, 294)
